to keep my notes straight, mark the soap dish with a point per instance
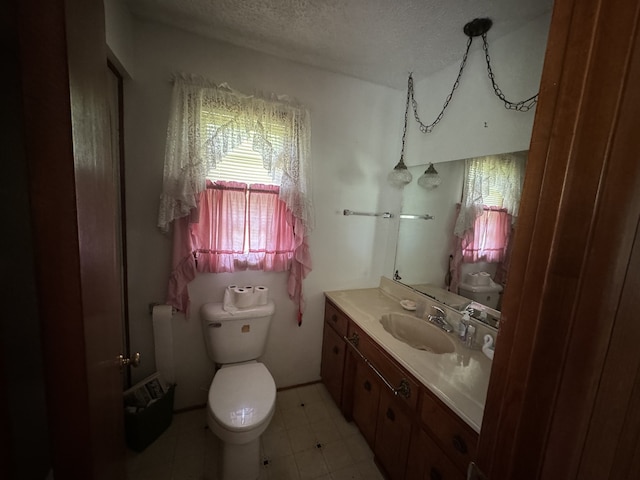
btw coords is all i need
(408, 304)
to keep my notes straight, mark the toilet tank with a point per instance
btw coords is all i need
(235, 337)
(488, 295)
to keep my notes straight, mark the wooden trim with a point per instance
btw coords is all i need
(49, 154)
(572, 247)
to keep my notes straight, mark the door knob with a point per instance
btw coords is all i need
(133, 361)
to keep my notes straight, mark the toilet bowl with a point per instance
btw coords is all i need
(242, 395)
(240, 406)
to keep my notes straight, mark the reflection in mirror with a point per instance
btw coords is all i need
(429, 257)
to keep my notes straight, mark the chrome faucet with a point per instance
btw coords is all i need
(440, 320)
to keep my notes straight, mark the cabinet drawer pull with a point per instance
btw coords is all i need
(459, 444)
(336, 349)
(402, 390)
(434, 474)
(367, 386)
(390, 415)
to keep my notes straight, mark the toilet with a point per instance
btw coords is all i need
(242, 396)
(488, 295)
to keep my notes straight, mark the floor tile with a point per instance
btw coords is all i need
(336, 455)
(313, 441)
(301, 438)
(311, 464)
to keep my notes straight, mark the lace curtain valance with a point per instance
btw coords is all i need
(278, 129)
(503, 173)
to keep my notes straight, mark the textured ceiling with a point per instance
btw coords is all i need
(374, 40)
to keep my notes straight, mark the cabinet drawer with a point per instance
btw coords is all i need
(336, 318)
(457, 439)
(386, 366)
(427, 461)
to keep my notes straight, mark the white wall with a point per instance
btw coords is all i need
(356, 133)
(517, 61)
(119, 33)
(354, 144)
(424, 245)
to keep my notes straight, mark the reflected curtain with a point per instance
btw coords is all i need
(482, 232)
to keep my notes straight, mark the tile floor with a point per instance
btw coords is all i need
(307, 439)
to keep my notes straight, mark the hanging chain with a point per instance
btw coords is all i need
(428, 128)
(406, 119)
(524, 105)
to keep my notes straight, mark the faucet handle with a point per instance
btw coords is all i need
(439, 310)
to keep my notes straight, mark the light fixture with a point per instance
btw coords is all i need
(478, 27)
(400, 176)
(430, 179)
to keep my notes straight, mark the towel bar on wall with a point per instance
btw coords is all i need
(411, 216)
(408, 216)
(367, 214)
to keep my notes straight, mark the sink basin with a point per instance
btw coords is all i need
(417, 333)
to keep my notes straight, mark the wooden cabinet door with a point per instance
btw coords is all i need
(392, 435)
(332, 367)
(366, 395)
(427, 461)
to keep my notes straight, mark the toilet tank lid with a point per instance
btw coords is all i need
(493, 288)
(216, 312)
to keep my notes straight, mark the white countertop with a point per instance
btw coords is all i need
(460, 379)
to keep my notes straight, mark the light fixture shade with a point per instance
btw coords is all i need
(430, 179)
(399, 176)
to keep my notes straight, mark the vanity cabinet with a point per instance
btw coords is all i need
(413, 434)
(392, 435)
(428, 461)
(456, 438)
(334, 351)
(366, 399)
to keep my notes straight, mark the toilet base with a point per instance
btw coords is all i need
(240, 462)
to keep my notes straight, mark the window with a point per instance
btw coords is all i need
(242, 227)
(244, 162)
(491, 197)
(236, 185)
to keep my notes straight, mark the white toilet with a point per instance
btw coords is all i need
(488, 295)
(242, 396)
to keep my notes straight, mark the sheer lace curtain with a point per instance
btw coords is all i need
(484, 176)
(278, 128)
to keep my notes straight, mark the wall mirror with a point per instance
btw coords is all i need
(424, 246)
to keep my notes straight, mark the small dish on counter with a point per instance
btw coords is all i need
(408, 304)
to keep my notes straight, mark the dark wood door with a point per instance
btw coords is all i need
(563, 398)
(332, 365)
(366, 395)
(73, 210)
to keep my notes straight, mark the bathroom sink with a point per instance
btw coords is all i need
(417, 333)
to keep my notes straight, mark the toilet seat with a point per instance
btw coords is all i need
(242, 397)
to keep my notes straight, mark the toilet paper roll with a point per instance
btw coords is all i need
(484, 278)
(262, 295)
(472, 278)
(248, 288)
(163, 339)
(243, 297)
(229, 301)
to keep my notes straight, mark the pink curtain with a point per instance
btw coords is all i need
(239, 228)
(218, 236)
(487, 241)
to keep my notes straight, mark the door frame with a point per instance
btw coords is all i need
(63, 76)
(566, 335)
